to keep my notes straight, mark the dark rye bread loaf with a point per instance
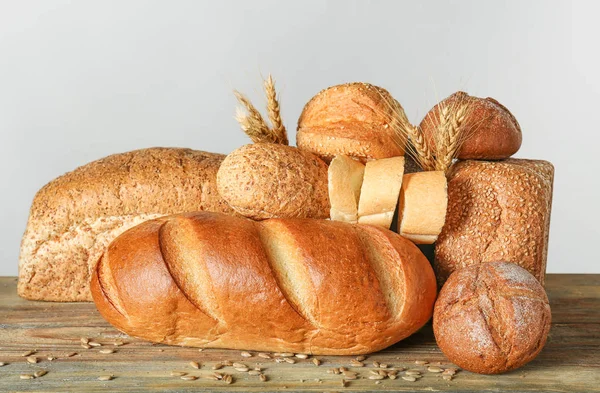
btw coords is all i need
(74, 217)
(491, 318)
(497, 211)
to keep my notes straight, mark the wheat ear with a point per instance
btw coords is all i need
(418, 147)
(252, 122)
(277, 127)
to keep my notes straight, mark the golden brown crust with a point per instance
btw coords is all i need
(353, 119)
(75, 216)
(266, 180)
(491, 318)
(496, 211)
(492, 132)
(293, 285)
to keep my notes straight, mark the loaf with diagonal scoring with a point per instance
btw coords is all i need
(290, 285)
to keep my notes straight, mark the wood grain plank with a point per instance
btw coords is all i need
(569, 362)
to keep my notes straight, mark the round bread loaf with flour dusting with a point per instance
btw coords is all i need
(492, 317)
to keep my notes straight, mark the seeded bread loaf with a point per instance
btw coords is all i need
(75, 216)
(497, 211)
(277, 285)
(266, 180)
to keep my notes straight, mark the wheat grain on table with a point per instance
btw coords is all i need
(89, 355)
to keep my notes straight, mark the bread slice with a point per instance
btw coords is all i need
(423, 203)
(380, 190)
(345, 177)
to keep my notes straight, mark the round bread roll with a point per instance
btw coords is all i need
(492, 132)
(267, 180)
(492, 317)
(354, 119)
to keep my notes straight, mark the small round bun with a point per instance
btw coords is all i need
(492, 131)
(354, 119)
(267, 180)
(492, 317)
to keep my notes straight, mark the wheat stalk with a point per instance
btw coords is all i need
(418, 147)
(451, 133)
(277, 127)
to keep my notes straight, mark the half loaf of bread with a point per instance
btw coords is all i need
(74, 217)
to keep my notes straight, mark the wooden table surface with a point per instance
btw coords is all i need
(570, 362)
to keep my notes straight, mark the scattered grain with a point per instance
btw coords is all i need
(178, 373)
(246, 354)
(227, 363)
(376, 377)
(383, 365)
(290, 360)
(50, 358)
(409, 378)
(412, 372)
(356, 363)
(195, 365)
(94, 344)
(228, 379)
(376, 364)
(217, 366)
(421, 362)
(242, 369)
(107, 351)
(316, 362)
(447, 377)
(32, 359)
(262, 377)
(86, 346)
(434, 369)
(392, 376)
(3, 364)
(360, 358)
(105, 378)
(40, 373)
(264, 355)
(84, 340)
(302, 356)
(26, 376)
(189, 377)
(71, 354)
(28, 353)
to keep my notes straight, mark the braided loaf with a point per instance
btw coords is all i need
(295, 285)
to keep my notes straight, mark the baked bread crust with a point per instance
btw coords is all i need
(74, 217)
(491, 318)
(282, 285)
(352, 119)
(492, 132)
(498, 210)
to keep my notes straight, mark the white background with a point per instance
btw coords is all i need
(83, 79)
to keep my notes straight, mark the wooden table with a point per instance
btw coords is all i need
(570, 362)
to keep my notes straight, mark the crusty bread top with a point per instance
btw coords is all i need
(492, 131)
(353, 119)
(491, 317)
(266, 180)
(497, 210)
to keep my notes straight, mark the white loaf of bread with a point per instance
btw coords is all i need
(380, 190)
(422, 206)
(345, 180)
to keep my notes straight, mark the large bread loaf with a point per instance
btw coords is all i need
(287, 285)
(497, 211)
(74, 217)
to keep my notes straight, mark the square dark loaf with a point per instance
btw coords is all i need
(74, 217)
(497, 211)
